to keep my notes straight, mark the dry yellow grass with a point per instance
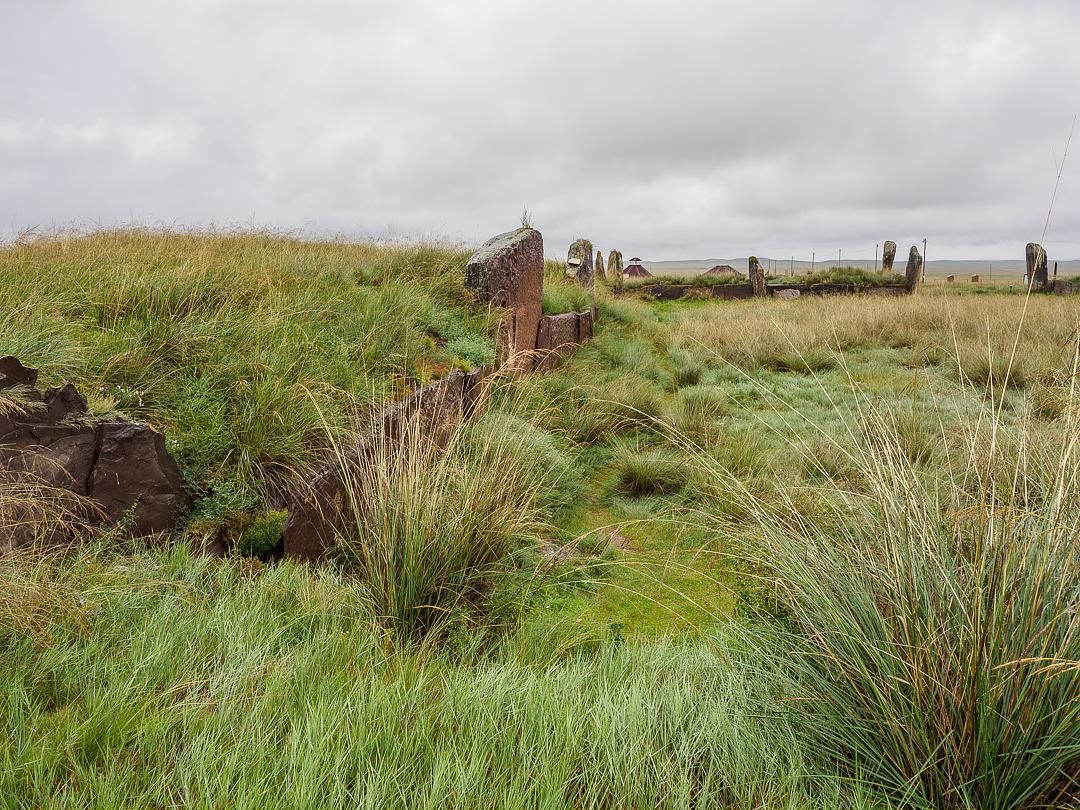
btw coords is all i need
(939, 327)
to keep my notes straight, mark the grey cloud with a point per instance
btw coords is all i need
(679, 130)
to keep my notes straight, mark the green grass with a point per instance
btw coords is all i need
(856, 276)
(174, 680)
(562, 293)
(729, 554)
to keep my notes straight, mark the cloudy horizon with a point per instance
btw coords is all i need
(702, 130)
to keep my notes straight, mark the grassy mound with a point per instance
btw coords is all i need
(246, 348)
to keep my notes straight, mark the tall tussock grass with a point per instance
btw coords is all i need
(929, 631)
(435, 524)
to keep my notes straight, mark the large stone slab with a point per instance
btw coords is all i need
(757, 277)
(615, 269)
(579, 262)
(888, 256)
(556, 337)
(1035, 262)
(914, 270)
(508, 272)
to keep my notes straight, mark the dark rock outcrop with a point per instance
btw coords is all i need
(119, 469)
(321, 510)
(134, 472)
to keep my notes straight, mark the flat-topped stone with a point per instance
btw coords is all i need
(508, 272)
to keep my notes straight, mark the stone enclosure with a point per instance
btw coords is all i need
(112, 471)
(507, 272)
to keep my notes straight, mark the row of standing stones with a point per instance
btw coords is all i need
(506, 273)
(120, 472)
(1036, 276)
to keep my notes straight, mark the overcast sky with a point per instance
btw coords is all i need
(680, 129)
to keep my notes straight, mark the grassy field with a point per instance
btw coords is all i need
(754, 554)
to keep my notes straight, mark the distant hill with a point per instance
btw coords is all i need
(942, 268)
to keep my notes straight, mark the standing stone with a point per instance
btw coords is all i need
(975, 278)
(615, 269)
(913, 274)
(508, 272)
(950, 278)
(598, 268)
(757, 277)
(579, 262)
(888, 255)
(1036, 265)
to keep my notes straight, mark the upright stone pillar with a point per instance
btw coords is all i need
(888, 256)
(1036, 266)
(757, 277)
(598, 268)
(615, 269)
(913, 274)
(508, 272)
(579, 262)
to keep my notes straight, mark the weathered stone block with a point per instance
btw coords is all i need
(508, 272)
(1035, 260)
(557, 336)
(888, 256)
(579, 262)
(585, 326)
(615, 269)
(123, 466)
(913, 272)
(757, 278)
(788, 295)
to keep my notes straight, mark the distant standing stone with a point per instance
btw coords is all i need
(950, 278)
(975, 278)
(757, 277)
(888, 256)
(1035, 255)
(913, 274)
(615, 269)
(579, 262)
(598, 268)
